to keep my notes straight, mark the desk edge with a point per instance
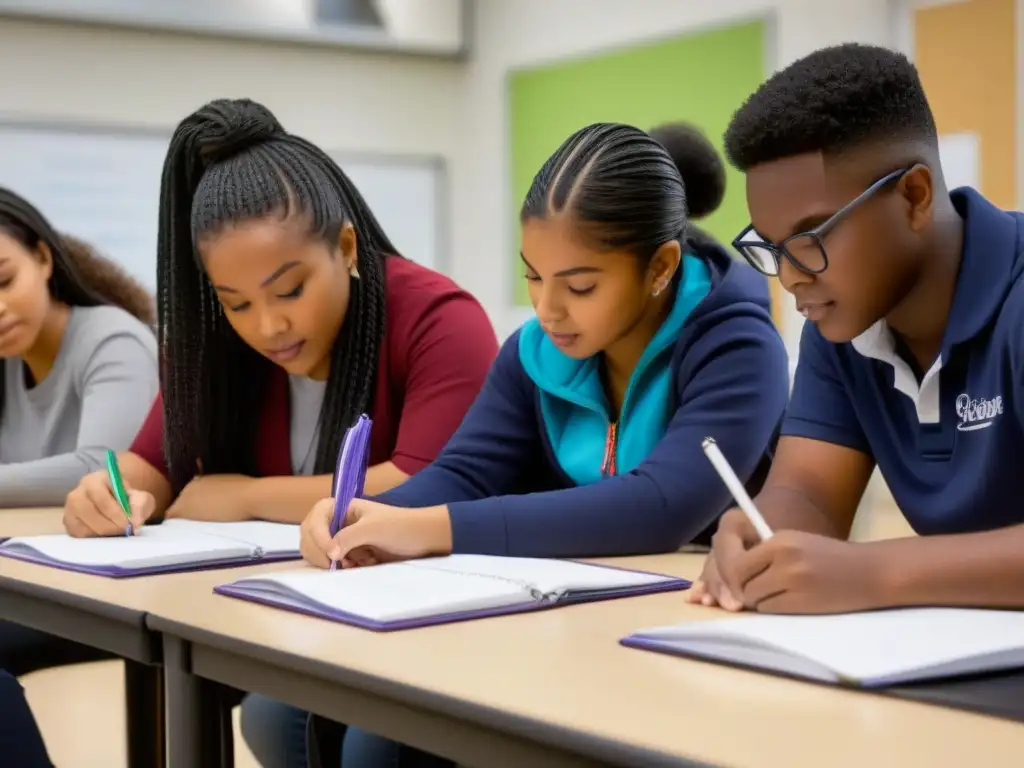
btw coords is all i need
(518, 725)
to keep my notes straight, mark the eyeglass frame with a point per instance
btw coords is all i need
(817, 234)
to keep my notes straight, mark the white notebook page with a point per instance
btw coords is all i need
(389, 592)
(174, 541)
(868, 646)
(543, 574)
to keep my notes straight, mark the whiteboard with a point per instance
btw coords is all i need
(103, 186)
(409, 198)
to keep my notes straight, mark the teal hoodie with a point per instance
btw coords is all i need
(587, 444)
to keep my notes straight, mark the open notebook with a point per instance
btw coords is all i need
(867, 650)
(443, 589)
(174, 545)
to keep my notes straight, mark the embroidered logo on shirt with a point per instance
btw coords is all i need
(977, 413)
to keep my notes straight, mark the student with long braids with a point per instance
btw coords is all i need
(77, 358)
(586, 439)
(285, 312)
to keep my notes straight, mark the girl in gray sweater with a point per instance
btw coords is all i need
(78, 368)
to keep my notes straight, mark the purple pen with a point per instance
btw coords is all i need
(350, 473)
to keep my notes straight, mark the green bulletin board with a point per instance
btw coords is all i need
(701, 77)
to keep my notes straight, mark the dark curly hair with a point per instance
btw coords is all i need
(232, 161)
(833, 100)
(81, 277)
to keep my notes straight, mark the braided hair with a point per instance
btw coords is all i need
(621, 187)
(230, 162)
(80, 276)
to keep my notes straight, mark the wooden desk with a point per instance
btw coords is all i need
(554, 688)
(93, 611)
(103, 613)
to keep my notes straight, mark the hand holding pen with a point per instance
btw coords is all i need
(710, 589)
(103, 504)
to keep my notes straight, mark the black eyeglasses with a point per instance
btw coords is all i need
(804, 250)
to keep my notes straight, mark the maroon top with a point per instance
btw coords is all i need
(438, 346)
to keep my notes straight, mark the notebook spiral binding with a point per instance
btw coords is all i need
(536, 594)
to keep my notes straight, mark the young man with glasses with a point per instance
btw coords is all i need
(912, 359)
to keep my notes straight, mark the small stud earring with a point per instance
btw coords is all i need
(657, 290)
(354, 271)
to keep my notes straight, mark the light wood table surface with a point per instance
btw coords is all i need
(555, 688)
(104, 613)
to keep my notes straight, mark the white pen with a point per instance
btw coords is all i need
(739, 493)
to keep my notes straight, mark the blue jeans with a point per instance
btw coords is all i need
(362, 748)
(21, 744)
(275, 732)
(277, 735)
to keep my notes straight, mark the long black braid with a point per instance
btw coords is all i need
(231, 161)
(80, 277)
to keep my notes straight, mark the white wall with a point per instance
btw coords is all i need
(512, 34)
(338, 99)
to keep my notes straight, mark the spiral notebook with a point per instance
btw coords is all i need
(174, 545)
(873, 649)
(441, 590)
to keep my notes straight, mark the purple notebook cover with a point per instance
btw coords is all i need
(117, 572)
(671, 584)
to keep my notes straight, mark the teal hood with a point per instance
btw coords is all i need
(587, 444)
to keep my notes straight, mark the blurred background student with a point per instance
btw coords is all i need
(77, 358)
(77, 370)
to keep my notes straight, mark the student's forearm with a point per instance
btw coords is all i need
(974, 569)
(789, 509)
(289, 499)
(383, 477)
(44, 482)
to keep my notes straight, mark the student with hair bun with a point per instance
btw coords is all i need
(586, 438)
(77, 358)
(701, 167)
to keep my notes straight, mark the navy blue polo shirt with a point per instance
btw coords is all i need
(952, 447)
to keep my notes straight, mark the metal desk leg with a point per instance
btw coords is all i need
(199, 733)
(144, 701)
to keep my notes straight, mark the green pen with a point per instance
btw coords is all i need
(119, 492)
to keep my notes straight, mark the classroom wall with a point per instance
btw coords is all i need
(975, 92)
(525, 32)
(338, 98)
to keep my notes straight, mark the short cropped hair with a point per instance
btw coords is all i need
(833, 100)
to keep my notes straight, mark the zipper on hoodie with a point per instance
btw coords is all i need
(610, 444)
